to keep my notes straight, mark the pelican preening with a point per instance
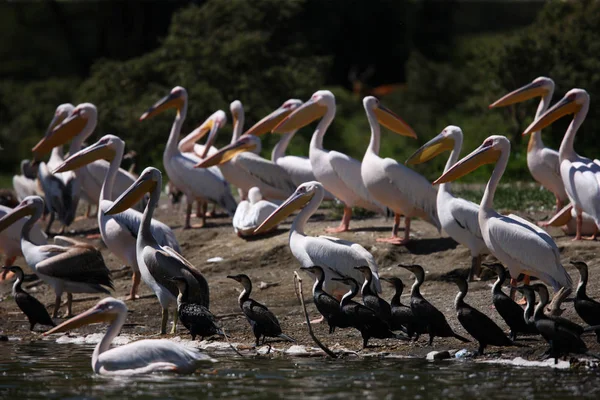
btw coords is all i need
(212, 124)
(141, 357)
(339, 174)
(458, 217)
(159, 264)
(78, 268)
(251, 213)
(196, 183)
(242, 165)
(579, 174)
(119, 232)
(520, 245)
(543, 162)
(399, 188)
(78, 127)
(339, 256)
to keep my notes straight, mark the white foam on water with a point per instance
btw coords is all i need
(521, 362)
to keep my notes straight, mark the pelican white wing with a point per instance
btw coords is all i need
(266, 171)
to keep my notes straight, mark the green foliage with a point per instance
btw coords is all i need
(511, 197)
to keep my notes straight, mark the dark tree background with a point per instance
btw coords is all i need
(435, 63)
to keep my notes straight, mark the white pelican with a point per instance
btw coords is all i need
(580, 175)
(61, 191)
(242, 165)
(158, 264)
(10, 239)
(140, 357)
(520, 245)
(298, 168)
(340, 256)
(459, 217)
(79, 126)
(398, 187)
(203, 184)
(78, 268)
(338, 173)
(542, 161)
(212, 124)
(119, 231)
(27, 184)
(251, 213)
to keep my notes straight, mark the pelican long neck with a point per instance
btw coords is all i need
(374, 143)
(17, 285)
(454, 154)
(238, 126)
(567, 150)
(535, 141)
(112, 332)
(487, 201)
(317, 138)
(111, 174)
(171, 148)
(28, 225)
(78, 140)
(245, 295)
(145, 231)
(281, 146)
(497, 288)
(308, 210)
(581, 294)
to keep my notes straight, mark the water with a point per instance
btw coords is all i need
(46, 370)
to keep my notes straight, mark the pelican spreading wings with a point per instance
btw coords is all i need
(580, 175)
(398, 187)
(75, 268)
(339, 173)
(459, 217)
(340, 256)
(520, 245)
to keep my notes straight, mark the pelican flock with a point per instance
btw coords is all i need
(269, 191)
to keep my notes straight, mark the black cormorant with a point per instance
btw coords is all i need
(195, 317)
(327, 305)
(402, 315)
(264, 323)
(479, 325)
(509, 310)
(425, 312)
(371, 299)
(588, 309)
(34, 310)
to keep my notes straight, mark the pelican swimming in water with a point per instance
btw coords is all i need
(159, 264)
(521, 246)
(580, 175)
(119, 232)
(338, 173)
(339, 256)
(197, 184)
(78, 127)
(459, 217)
(543, 162)
(398, 187)
(251, 213)
(140, 357)
(78, 268)
(242, 165)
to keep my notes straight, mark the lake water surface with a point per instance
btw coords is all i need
(47, 370)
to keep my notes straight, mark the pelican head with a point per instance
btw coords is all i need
(82, 116)
(243, 279)
(61, 113)
(317, 271)
(30, 206)
(388, 118)
(106, 310)
(444, 141)
(103, 149)
(237, 111)
(176, 99)
(308, 112)
(244, 143)
(270, 121)
(488, 153)
(540, 87)
(572, 103)
(148, 180)
(303, 194)
(254, 195)
(211, 126)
